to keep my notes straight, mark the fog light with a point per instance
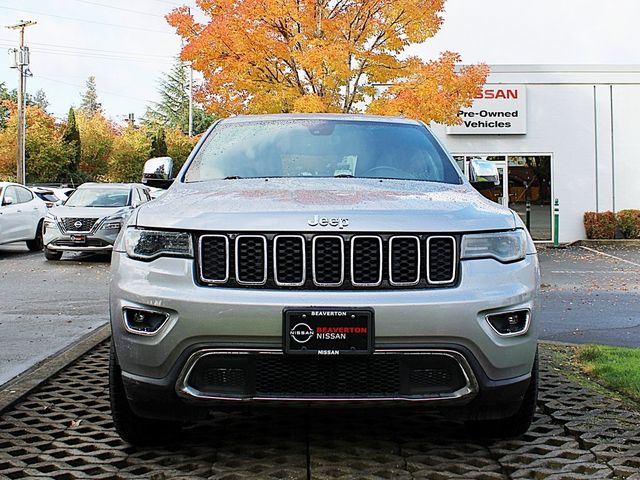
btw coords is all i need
(143, 322)
(509, 324)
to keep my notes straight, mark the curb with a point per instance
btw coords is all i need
(15, 389)
(621, 241)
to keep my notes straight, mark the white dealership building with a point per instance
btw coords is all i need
(565, 132)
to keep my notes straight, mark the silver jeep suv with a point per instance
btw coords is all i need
(314, 259)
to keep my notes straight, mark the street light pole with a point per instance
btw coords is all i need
(21, 63)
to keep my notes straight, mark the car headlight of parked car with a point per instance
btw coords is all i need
(505, 247)
(114, 222)
(149, 244)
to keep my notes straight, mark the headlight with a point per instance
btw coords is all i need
(149, 244)
(114, 222)
(503, 246)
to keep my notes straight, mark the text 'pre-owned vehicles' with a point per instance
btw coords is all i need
(21, 215)
(322, 259)
(91, 218)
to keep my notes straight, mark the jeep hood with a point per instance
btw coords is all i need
(288, 204)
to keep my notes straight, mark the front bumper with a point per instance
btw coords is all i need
(231, 319)
(97, 240)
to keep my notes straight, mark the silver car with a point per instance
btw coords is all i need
(322, 259)
(91, 218)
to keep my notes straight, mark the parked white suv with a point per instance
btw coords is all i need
(21, 215)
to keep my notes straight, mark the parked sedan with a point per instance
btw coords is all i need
(91, 218)
(21, 216)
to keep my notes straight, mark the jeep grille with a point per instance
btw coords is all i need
(339, 261)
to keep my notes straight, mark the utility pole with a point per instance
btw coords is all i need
(21, 62)
(190, 99)
(190, 92)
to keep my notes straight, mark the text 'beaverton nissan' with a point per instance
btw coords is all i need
(321, 259)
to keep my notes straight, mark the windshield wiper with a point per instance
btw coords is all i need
(344, 175)
(233, 177)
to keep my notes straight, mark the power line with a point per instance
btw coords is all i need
(82, 20)
(128, 58)
(70, 47)
(175, 5)
(119, 8)
(100, 91)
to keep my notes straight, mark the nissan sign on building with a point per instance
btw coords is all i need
(498, 109)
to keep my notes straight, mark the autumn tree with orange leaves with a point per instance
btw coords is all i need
(270, 56)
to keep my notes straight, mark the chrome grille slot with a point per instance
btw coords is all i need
(441, 259)
(214, 264)
(404, 260)
(251, 260)
(366, 261)
(289, 260)
(328, 261)
(72, 224)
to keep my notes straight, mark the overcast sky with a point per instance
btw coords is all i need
(127, 45)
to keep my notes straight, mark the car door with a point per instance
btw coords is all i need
(33, 210)
(10, 215)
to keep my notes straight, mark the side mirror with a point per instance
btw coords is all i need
(158, 172)
(483, 174)
(8, 201)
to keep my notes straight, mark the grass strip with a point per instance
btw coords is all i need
(615, 367)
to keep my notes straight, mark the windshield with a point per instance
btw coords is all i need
(321, 148)
(98, 197)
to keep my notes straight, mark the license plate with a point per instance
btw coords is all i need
(79, 238)
(328, 331)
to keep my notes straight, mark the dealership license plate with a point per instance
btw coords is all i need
(78, 238)
(328, 331)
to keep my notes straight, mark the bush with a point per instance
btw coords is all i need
(629, 223)
(600, 225)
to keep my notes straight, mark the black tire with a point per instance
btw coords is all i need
(36, 244)
(52, 254)
(516, 424)
(132, 428)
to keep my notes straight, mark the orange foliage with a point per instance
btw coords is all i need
(268, 56)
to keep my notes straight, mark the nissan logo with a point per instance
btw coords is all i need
(301, 333)
(78, 224)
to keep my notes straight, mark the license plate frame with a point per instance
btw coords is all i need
(81, 239)
(341, 329)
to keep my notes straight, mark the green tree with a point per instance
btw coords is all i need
(46, 154)
(97, 135)
(89, 103)
(71, 137)
(131, 148)
(179, 147)
(172, 110)
(39, 99)
(159, 144)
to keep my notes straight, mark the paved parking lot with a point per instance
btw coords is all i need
(47, 305)
(591, 295)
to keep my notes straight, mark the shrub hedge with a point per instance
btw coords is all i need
(605, 225)
(629, 223)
